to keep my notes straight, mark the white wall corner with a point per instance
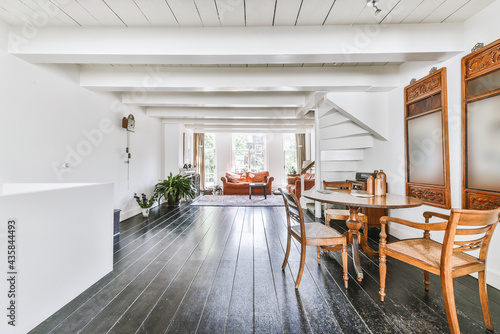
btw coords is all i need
(367, 110)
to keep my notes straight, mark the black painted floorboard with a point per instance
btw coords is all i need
(196, 269)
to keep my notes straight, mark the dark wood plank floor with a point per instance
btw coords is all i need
(218, 270)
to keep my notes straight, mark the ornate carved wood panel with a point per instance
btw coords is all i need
(481, 201)
(428, 194)
(483, 60)
(481, 128)
(426, 140)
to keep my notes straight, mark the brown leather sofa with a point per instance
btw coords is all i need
(294, 184)
(238, 183)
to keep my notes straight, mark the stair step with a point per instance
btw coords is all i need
(347, 143)
(341, 155)
(310, 207)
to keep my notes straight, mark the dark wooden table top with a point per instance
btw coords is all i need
(347, 197)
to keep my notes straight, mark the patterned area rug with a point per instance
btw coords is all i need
(239, 200)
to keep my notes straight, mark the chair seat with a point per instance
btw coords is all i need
(317, 231)
(428, 252)
(340, 214)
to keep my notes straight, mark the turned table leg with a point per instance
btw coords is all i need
(354, 225)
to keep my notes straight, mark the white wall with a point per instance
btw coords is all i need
(389, 156)
(276, 159)
(173, 148)
(223, 150)
(49, 119)
(4, 31)
(53, 231)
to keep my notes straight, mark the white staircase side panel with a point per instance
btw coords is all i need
(342, 155)
(368, 110)
(346, 143)
(336, 176)
(339, 166)
(341, 130)
(332, 118)
(324, 109)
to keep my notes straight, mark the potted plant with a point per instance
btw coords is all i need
(173, 188)
(145, 203)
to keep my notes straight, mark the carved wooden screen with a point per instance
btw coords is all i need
(481, 128)
(426, 140)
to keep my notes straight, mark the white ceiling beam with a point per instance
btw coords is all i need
(241, 45)
(250, 126)
(235, 99)
(254, 130)
(228, 113)
(141, 80)
(241, 121)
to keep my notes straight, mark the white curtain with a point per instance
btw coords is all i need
(199, 156)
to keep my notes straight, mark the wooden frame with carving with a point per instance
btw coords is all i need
(426, 140)
(481, 128)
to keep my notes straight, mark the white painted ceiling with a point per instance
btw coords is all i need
(234, 13)
(255, 64)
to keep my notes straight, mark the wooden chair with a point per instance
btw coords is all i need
(339, 214)
(473, 229)
(310, 234)
(335, 213)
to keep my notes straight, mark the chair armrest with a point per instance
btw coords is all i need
(429, 214)
(224, 180)
(441, 226)
(308, 184)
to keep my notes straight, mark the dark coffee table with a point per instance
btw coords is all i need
(258, 185)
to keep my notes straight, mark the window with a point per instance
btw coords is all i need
(209, 151)
(249, 152)
(290, 154)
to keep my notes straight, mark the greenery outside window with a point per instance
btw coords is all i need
(249, 152)
(290, 154)
(209, 152)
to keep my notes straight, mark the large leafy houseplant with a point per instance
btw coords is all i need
(173, 188)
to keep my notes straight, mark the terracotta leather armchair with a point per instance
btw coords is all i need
(294, 184)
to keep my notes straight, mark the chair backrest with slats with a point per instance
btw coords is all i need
(474, 229)
(332, 185)
(293, 211)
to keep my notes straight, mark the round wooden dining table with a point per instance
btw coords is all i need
(354, 200)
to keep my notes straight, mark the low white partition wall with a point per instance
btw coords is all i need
(56, 240)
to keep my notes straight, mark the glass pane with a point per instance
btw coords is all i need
(483, 144)
(241, 161)
(290, 162)
(484, 84)
(209, 152)
(240, 142)
(257, 162)
(209, 141)
(425, 149)
(290, 154)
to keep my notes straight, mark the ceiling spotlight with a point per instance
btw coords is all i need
(374, 4)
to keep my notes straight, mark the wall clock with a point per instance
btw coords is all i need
(129, 123)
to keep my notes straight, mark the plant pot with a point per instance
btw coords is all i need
(145, 212)
(172, 201)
